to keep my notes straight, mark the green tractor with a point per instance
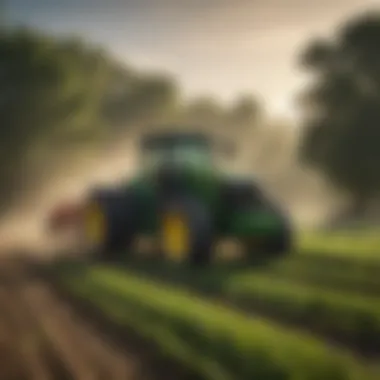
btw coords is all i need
(188, 204)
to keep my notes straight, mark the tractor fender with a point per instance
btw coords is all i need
(249, 210)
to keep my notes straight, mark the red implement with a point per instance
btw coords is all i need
(64, 216)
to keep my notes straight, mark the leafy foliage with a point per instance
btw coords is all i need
(342, 133)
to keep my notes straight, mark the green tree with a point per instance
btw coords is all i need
(135, 100)
(49, 91)
(342, 129)
(245, 112)
(204, 111)
(58, 92)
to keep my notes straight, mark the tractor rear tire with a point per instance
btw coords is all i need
(275, 246)
(119, 233)
(282, 243)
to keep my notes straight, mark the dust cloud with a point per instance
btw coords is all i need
(267, 153)
(68, 178)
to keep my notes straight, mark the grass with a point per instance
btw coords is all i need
(350, 318)
(346, 260)
(356, 244)
(344, 275)
(224, 344)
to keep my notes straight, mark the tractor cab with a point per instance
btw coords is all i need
(179, 149)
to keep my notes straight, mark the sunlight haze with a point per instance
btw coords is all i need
(216, 47)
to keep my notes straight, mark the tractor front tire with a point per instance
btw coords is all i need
(199, 226)
(271, 247)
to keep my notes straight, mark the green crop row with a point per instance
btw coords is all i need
(223, 343)
(350, 317)
(346, 277)
(344, 259)
(355, 244)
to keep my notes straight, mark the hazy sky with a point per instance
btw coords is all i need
(222, 47)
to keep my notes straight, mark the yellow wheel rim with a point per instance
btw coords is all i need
(175, 237)
(94, 224)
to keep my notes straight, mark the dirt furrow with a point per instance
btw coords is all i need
(23, 345)
(86, 354)
(44, 336)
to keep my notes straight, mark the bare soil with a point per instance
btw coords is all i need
(45, 336)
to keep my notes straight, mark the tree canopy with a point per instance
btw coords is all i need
(342, 130)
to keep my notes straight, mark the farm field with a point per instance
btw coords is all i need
(136, 136)
(314, 315)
